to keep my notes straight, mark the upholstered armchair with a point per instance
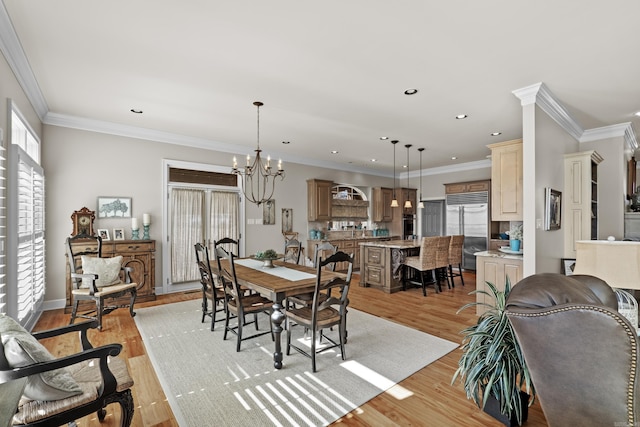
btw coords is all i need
(582, 354)
(61, 390)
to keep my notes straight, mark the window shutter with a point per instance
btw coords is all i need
(3, 230)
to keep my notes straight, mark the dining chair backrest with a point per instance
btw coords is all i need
(324, 250)
(230, 245)
(204, 267)
(442, 251)
(292, 251)
(455, 249)
(428, 249)
(324, 287)
(227, 276)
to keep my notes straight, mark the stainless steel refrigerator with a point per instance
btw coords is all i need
(468, 214)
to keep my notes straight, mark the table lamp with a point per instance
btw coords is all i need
(615, 262)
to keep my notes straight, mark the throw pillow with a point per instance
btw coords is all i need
(107, 269)
(22, 349)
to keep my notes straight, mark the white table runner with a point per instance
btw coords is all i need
(282, 272)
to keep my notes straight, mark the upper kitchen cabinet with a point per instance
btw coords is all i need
(319, 200)
(382, 210)
(506, 181)
(580, 201)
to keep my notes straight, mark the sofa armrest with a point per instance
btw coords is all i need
(102, 353)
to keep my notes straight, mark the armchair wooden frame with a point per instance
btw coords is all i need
(108, 392)
(95, 294)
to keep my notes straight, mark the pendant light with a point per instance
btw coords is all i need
(407, 203)
(394, 202)
(420, 204)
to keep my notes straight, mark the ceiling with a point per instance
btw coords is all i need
(331, 74)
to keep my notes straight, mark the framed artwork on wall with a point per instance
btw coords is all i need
(114, 207)
(552, 209)
(269, 212)
(287, 220)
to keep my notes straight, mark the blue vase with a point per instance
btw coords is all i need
(515, 245)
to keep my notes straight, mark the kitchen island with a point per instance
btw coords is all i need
(381, 263)
(494, 267)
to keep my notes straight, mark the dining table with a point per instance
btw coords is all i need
(277, 283)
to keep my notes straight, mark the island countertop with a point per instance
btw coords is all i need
(498, 254)
(394, 244)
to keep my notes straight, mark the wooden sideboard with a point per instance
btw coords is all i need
(137, 254)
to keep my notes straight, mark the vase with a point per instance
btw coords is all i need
(514, 245)
(492, 407)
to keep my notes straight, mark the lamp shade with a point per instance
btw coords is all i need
(615, 262)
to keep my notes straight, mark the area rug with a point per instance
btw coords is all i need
(208, 383)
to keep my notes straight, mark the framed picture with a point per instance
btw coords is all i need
(287, 220)
(269, 212)
(552, 209)
(568, 264)
(104, 233)
(114, 207)
(118, 234)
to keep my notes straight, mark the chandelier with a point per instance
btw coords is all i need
(258, 179)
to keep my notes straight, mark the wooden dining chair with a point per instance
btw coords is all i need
(324, 250)
(292, 251)
(324, 312)
(229, 244)
(212, 289)
(239, 304)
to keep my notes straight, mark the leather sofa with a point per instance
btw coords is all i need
(582, 354)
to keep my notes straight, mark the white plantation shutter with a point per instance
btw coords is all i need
(29, 216)
(3, 230)
(23, 295)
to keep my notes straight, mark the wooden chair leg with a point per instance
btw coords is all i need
(205, 306)
(461, 277)
(74, 311)
(99, 309)
(424, 285)
(132, 302)
(313, 350)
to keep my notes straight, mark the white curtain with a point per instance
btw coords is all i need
(187, 228)
(224, 215)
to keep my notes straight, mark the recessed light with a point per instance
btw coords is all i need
(411, 91)
(334, 151)
(461, 116)
(384, 138)
(135, 111)
(496, 133)
(374, 160)
(286, 142)
(453, 158)
(637, 114)
(404, 166)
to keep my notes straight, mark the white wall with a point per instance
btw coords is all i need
(552, 143)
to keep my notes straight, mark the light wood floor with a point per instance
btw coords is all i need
(434, 402)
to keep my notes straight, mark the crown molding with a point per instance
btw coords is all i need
(540, 95)
(17, 60)
(624, 130)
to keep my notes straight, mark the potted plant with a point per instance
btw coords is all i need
(515, 237)
(492, 365)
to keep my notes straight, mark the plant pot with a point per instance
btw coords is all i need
(492, 407)
(515, 245)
